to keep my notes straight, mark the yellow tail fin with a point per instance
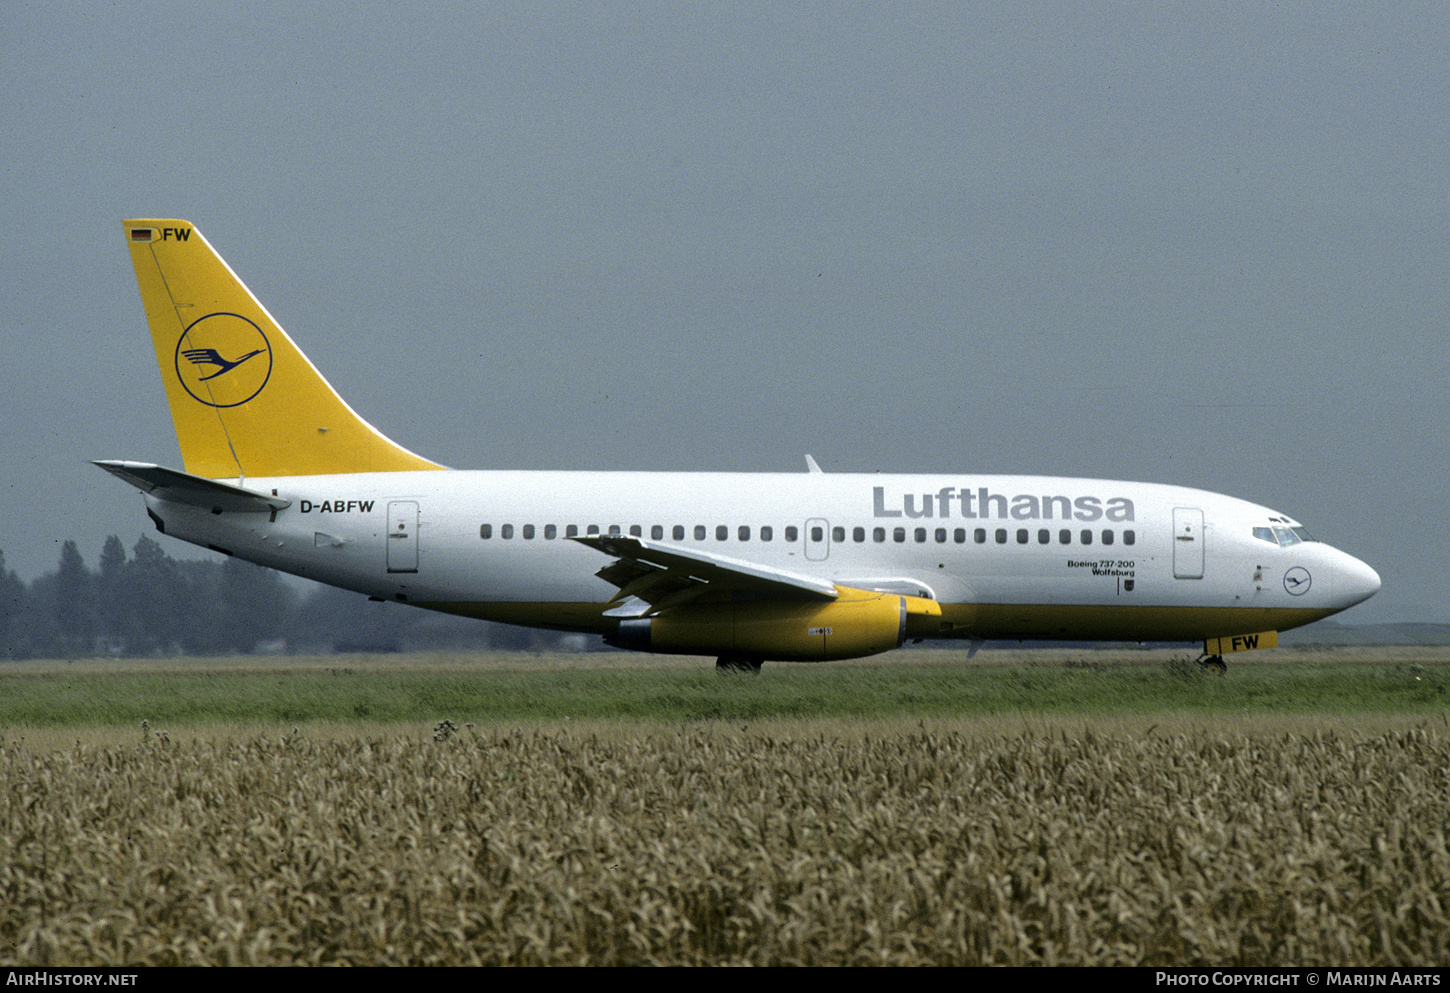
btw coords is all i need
(244, 399)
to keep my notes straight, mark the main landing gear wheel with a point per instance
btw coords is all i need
(1214, 662)
(727, 665)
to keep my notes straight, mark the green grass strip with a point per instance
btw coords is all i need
(276, 694)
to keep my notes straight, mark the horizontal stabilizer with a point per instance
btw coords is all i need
(182, 487)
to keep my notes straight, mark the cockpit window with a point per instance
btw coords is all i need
(1286, 536)
(1283, 536)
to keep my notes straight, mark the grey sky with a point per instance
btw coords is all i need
(1190, 243)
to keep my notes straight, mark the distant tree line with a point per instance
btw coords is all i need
(149, 604)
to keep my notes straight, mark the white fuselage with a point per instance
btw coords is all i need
(1005, 556)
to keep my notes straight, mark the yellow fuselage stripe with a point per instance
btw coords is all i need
(964, 620)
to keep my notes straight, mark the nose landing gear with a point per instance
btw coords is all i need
(1214, 663)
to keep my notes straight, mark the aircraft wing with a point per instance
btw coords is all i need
(654, 575)
(198, 491)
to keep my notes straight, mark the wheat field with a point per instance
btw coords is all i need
(1142, 842)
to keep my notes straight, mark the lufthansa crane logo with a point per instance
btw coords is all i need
(1297, 581)
(223, 360)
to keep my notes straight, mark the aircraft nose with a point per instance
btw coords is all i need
(1356, 580)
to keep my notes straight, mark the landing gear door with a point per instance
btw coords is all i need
(1187, 543)
(402, 539)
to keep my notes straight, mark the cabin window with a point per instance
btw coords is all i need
(1064, 537)
(1129, 537)
(767, 532)
(744, 532)
(858, 534)
(592, 529)
(657, 531)
(878, 535)
(528, 532)
(1087, 537)
(1044, 537)
(635, 531)
(571, 531)
(920, 535)
(1022, 536)
(614, 530)
(485, 530)
(507, 531)
(960, 536)
(838, 534)
(551, 531)
(898, 535)
(1001, 536)
(792, 533)
(1107, 537)
(941, 536)
(678, 532)
(980, 536)
(721, 532)
(699, 532)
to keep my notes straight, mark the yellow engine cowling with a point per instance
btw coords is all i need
(859, 623)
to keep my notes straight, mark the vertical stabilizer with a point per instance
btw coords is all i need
(244, 399)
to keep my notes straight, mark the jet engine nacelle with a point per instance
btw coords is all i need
(860, 623)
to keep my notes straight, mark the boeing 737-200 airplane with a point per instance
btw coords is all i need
(742, 566)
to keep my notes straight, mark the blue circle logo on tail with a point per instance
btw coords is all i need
(223, 360)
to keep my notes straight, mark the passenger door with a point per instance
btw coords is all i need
(402, 539)
(1187, 543)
